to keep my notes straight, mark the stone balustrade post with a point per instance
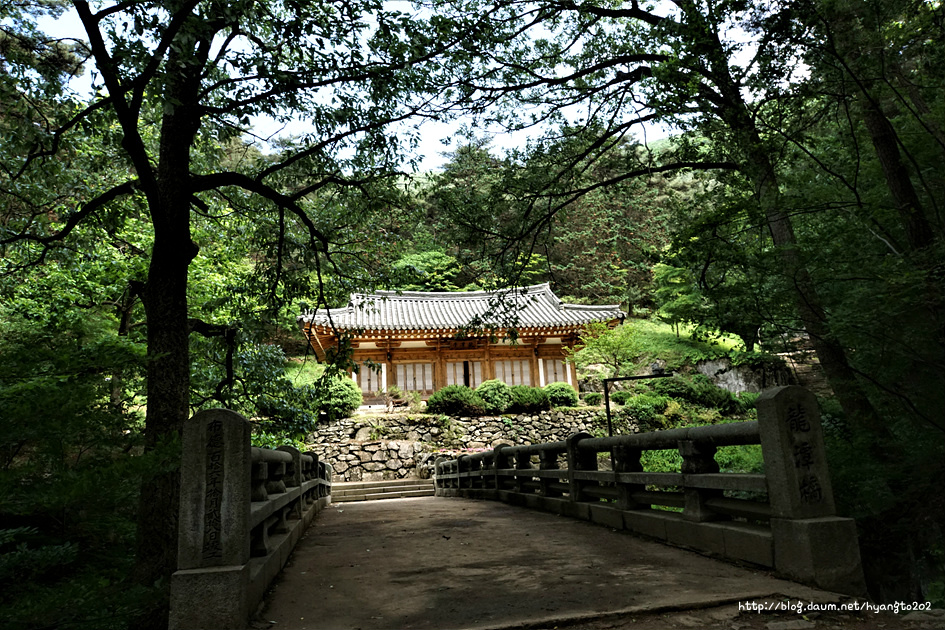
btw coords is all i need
(209, 589)
(811, 543)
(579, 460)
(462, 465)
(523, 461)
(698, 459)
(548, 460)
(293, 477)
(627, 459)
(503, 457)
(439, 469)
(488, 471)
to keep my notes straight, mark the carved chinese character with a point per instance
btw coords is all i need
(810, 490)
(797, 419)
(803, 455)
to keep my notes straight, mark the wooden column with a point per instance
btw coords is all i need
(488, 369)
(439, 370)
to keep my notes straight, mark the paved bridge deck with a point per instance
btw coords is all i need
(435, 563)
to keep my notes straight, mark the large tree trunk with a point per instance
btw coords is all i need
(165, 301)
(755, 162)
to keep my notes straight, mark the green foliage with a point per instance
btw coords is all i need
(262, 439)
(339, 398)
(496, 395)
(526, 399)
(69, 475)
(428, 271)
(700, 390)
(745, 458)
(634, 346)
(621, 396)
(661, 461)
(593, 399)
(646, 411)
(456, 400)
(561, 395)
(614, 348)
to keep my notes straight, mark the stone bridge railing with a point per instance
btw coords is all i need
(242, 510)
(794, 530)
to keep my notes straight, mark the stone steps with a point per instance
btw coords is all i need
(374, 490)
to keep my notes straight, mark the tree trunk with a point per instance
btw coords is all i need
(165, 302)
(756, 164)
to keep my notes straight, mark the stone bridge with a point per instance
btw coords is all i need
(450, 561)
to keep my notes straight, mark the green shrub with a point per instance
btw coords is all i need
(561, 395)
(593, 398)
(456, 400)
(747, 401)
(675, 387)
(496, 395)
(527, 399)
(646, 411)
(340, 398)
(699, 390)
(621, 396)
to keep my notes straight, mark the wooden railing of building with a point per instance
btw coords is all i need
(784, 519)
(242, 511)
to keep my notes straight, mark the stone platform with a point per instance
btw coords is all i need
(376, 490)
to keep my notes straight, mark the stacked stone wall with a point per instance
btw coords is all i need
(399, 446)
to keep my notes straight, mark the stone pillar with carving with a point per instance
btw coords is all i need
(811, 543)
(209, 588)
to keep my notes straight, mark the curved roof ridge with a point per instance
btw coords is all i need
(532, 306)
(543, 288)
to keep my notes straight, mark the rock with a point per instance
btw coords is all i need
(363, 435)
(936, 614)
(394, 464)
(379, 456)
(374, 467)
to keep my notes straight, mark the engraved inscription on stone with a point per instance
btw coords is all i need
(213, 500)
(797, 419)
(803, 455)
(811, 491)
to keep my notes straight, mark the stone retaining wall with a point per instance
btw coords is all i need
(398, 446)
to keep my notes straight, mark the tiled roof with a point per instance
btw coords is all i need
(526, 307)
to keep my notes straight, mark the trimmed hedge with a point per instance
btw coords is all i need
(593, 398)
(526, 399)
(342, 398)
(561, 395)
(621, 396)
(496, 395)
(456, 400)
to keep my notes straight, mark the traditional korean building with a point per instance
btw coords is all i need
(425, 341)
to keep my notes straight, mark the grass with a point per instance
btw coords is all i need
(657, 340)
(303, 370)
